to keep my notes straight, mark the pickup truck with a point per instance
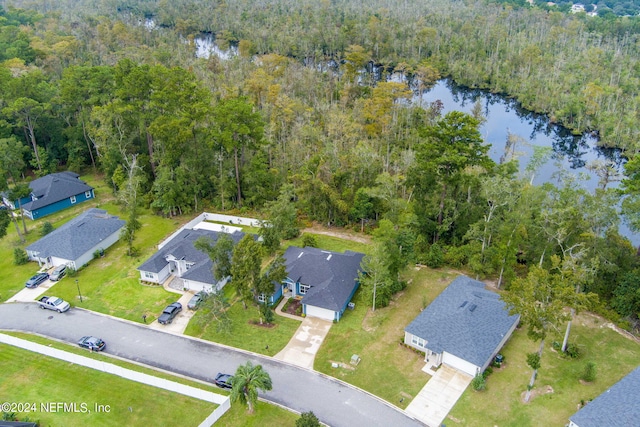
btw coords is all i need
(54, 303)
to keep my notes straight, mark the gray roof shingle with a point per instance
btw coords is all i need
(616, 407)
(55, 187)
(465, 320)
(181, 247)
(76, 237)
(331, 275)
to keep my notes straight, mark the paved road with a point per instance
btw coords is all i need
(335, 403)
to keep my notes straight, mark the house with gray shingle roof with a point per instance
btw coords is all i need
(325, 280)
(75, 242)
(464, 327)
(616, 407)
(53, 193)
(180, 258)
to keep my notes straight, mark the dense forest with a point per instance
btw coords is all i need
(305, 114)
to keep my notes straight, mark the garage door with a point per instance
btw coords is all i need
(460, 364)
(322, 313)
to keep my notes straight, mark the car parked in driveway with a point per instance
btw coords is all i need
(170, 313)
(196, 300)
(92, 343)
(58, 273)
(223, 380)
(36, 279)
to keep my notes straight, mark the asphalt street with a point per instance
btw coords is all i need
(333, 402)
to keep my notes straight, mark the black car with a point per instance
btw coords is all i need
(35, 280)
(92, 343)
(223, 380)
(196, 300)
(169, 313)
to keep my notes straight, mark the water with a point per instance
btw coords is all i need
(503, 117)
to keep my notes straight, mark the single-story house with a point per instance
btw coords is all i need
(325, 280)
(52, 193)
(464, 327)
(75, 242)
(617, 406)
(179, 257)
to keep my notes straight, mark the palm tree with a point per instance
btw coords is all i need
(246, 383)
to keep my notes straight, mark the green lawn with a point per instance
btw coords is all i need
(329, 243)
(501, 404)
(31, 377)
(265, 415)
(387, 369)
(246, 332)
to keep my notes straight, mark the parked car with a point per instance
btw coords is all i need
(223, 380)
(53, 303)
(92, 343)
(36, 279)
(58, 273)
(196, 300)
(170, 313)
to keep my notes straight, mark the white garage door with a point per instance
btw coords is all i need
(322, 313)
(460, 364)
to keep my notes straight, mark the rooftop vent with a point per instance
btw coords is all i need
(463, 304)
(472, 307)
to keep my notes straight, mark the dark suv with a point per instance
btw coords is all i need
(170, 313)
(35, 280)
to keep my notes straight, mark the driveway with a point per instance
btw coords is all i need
(305, 343)
(334, 402)
(437, 397)
(31, 294)
(180, 322)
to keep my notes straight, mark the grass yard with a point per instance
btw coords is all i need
(245, 333)
(265, 415)
(387, 369)
(108, 285)
(30, 377)
(501, 404)
(329, 243)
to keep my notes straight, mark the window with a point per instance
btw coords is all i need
(148, 275)
(73, 199)
(87, 194)
(418, 341)
(304, 289)
(189, 265)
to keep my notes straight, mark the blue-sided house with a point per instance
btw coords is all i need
(464, 327)
(617, 406)
(75, 242)
(325, 280)
(180, 258)
(53, 193)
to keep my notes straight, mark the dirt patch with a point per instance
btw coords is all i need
(342, 365)
(262, 325)
(294, 307)
(536, 392)
(340, 233)
(593, 320)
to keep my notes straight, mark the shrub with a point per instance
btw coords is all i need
(20, 256)
(479, 383)
(307, 419)
(435, 257)
(487, 372)
(572, 351)
(309, 240)
(533, 360)
(46, 228)
(71, 272)
(589, 373)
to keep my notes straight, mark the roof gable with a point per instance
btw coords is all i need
(332, 276)
(617, 406)
(55, 187)
(76, 237)
(465, 320)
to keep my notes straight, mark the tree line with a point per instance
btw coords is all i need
(264, 131)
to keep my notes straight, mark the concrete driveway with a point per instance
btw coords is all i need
(180, 322)
(437, 397)
(31, 294)
(305, 343)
